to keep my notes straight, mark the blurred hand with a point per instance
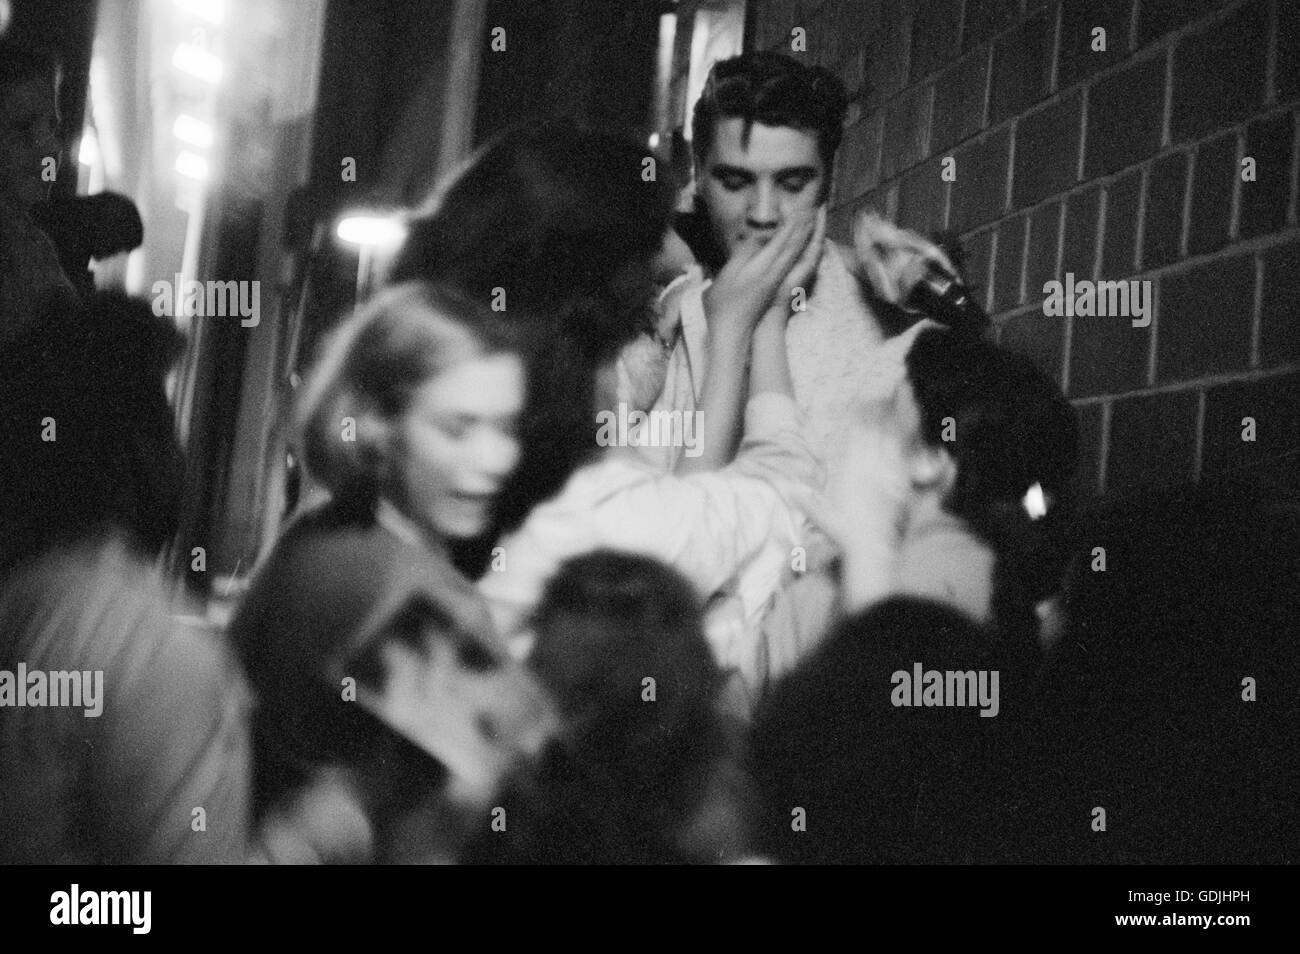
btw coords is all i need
(323, 823)
(894, 259)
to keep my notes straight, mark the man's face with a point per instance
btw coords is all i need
(750, 190)
(29, 122)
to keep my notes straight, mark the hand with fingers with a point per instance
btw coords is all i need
(759, 277)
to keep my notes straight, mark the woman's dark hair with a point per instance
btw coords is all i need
(1011, 429)
(632, 766)
(88, 433)
(558, 224)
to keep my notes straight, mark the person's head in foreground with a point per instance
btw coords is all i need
(369, 652)
(89, 435)
(766, 129)
(977, 442)
(556, 227)
(620, 647)
(886, 745)
(415, 405)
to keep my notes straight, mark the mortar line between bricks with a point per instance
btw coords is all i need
(1083, 134)
(1103, 210)
(1140, 228)
(1205, 381)
(1167, 107)
(1103, 453)
(1198, 448)
(1053, 73)
(1189, 184)
(1011, 165)
(1153, 352)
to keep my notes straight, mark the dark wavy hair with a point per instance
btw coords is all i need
(775, 90)
(561, 219)
(1014, 429)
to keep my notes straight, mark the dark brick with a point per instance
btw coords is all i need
(979, 194)
(921, 199)
(1118, 249)
(1264, 201)
(978, 252)
(935, 39)
(1009, 263)
(1163, 229)
(1152, 441)
(1205, 317)
(886, 48)
(1087, 476)
(1212, 185)
(1040, 261)
(1079, 250)
(1078, 19)
(1108, 355)
(1274, 403)
(1158, 17)
(985, 18)
(1124, 116)
(858, 160)
(959, 102)
(1287, 72)
(1279, 319)
(1022, 65)
(1038, 338)
(1047, 152)
(1219, 73)
(906, 122)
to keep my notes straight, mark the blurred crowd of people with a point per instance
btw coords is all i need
(502, 639)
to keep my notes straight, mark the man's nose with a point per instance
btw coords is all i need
(763, 207)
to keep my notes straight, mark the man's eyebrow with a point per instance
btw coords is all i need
(808, 172)
(722, 169)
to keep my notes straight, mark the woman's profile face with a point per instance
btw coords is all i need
(457, 444)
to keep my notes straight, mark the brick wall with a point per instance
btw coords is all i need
(1114, 165)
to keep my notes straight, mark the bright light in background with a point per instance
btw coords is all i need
(654, 140)
(190, 59)
(196, 167)
(214, 11)
(1034, 502)
(369, 229)
(193, 131)
(88, 153)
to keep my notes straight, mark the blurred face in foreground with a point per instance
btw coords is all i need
(457, 444)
